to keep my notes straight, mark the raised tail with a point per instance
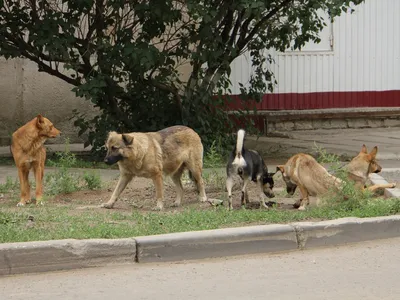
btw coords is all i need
(239, 160)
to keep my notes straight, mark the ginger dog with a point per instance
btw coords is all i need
(313, 179)
(28, 152)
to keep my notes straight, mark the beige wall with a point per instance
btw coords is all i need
(25, 92)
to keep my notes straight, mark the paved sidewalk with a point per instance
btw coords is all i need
(344, 142)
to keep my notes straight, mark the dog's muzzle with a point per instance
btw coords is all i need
(110, 160)
(290, 188)
(269, 193)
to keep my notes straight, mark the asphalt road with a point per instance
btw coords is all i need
(363, 271)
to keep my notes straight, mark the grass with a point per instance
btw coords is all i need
(58, 223)
(54, 221)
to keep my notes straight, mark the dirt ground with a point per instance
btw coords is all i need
(140, 196)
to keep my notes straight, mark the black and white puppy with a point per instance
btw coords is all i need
(249, 165)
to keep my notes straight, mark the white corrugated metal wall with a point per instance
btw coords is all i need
(365, 55)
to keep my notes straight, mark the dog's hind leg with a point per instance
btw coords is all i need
(229, 185)
(123, 181)
(196, 169)
(262, 195)
(176, 178)
(245, 195)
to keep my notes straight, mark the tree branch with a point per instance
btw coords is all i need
(264, 20)
(173, 90)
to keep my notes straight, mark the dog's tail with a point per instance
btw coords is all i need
(239, 160)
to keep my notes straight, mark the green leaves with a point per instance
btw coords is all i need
(150, 64)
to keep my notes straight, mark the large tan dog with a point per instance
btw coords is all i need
(313, 179)
(151, 154)
(28, 152)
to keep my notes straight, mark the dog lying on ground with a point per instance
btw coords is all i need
(250, 166)
(169, 151)
(313, 179)
(28, 152)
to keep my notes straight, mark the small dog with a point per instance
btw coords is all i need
(151, 155)
(28, 152)
(313, 179)
(249, 165)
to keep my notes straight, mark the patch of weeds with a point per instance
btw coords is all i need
(92, 180)
(63, 181)
(214, 157)
(9, 186)
(323, 157)
(215, 178)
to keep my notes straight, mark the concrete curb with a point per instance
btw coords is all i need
(16, 258)
(43, 256)
(216, 243)
(345, 231)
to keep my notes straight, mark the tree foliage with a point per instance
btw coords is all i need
(125, 55)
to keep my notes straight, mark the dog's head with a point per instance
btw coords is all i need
(117, 146)
(268, 184)
(46, 128)
(290, 185)
(366, 162)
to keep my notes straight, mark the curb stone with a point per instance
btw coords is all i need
(44, 256)
(345, 231)
(216, 243)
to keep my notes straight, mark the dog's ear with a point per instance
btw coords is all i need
(364, 149)
(280, 168)
(39, 121)
(128, 140)
(374, 151)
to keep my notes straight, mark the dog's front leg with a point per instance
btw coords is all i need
(375, 187)
(39, 173)
(304, 201)
(123, 181)
(23, 174)
(159, 185)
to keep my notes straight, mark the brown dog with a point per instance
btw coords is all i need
(151, 154)
(28, 152)
(313, 179)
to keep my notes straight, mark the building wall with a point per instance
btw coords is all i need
(356, 64)
(25, 93)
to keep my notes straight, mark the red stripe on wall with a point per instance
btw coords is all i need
(321, 100)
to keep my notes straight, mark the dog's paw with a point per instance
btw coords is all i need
(297, 204)
(302, 208)
(203, 199)
(107, 205)
(20, 204)
(159, 207)
(176, 204)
